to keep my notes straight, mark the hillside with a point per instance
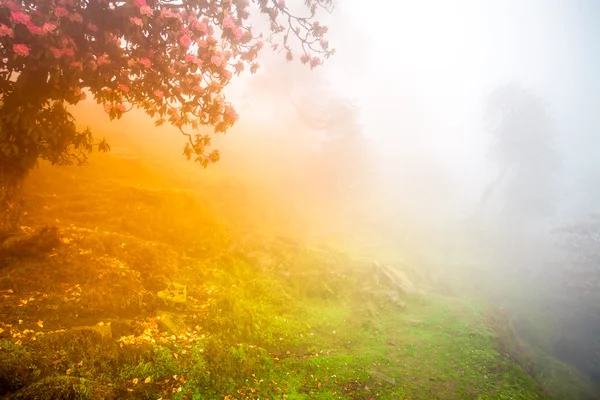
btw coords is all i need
(163, 287)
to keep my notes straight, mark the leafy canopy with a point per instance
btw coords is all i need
(171, 58)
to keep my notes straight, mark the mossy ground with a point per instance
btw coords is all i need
(266, 316)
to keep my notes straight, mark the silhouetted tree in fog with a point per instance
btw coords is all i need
(523, 195)
(523, 148)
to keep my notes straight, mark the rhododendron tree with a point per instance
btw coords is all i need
(171, 58)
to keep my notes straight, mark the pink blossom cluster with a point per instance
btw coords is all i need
(21, 49)
(109, 107)
(192, 59)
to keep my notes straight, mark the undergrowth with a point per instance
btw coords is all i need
(263, 316)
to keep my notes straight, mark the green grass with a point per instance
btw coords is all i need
(267, 315)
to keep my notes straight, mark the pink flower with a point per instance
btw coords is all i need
(20, 17)
(216, 60)
(82, 96)
(167, 13)
(124, 88)
(6, 31)
(324, 43)
(185, 40)
(304, 58)
(146, 10)
(92, 28)
(172, 70)
(56, 52)
(35, 30)
(76, 65)
(227, 74)
(121, 107)
(48, 27)
(315, 25)
(21, 49)
(145, 62)
(282, 3)
(202, 27)
(228, 23)
(69, 52)
(158, 93)
(314, 62)
(61, 12)
(203, 44)
(136, 21)
(102, 60)
(260, 44)
(190, 58)
(108, 107)
(237, 32)
(140, 3)
(230, 112)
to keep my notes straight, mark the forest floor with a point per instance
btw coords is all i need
(145, 289)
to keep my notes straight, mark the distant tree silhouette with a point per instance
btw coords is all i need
(523, 149)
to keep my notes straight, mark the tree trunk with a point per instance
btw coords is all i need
(11, 199)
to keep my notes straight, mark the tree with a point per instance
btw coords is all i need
(523, 148)
(171, 58)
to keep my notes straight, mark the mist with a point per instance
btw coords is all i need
(405, 146)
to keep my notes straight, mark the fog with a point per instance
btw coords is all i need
(406, 167)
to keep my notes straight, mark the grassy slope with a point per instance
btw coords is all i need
(266, 316)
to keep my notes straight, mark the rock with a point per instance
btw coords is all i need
(175, 293)
(383, 377)
(172, 322)
(104, 330)
(395, 277)
(121, 327)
